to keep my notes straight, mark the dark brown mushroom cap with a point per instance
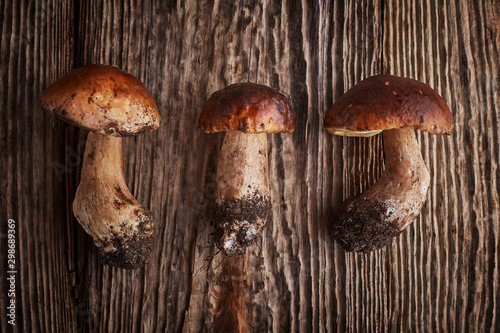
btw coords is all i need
(249, 108)
(102, 99)
(385, 102)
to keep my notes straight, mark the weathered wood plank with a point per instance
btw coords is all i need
(36, 48)
(448, 276)
(440, 274)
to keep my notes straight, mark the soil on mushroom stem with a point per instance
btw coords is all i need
(246, 216)
(131, 252)
(364, 227)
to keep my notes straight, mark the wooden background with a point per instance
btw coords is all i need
(441, 274)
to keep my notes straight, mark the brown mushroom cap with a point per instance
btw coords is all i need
(249, 108)
(385, 102)
(102, 99)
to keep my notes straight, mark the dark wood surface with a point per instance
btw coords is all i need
(441, 274)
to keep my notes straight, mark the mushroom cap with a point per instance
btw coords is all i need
(102, 99)
(249, 108)
(385, 102)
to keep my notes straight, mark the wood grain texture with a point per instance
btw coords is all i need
(36, 48)
(441, 274)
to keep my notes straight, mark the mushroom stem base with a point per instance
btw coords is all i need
(243, 203)
(369, 221)
(121, 227)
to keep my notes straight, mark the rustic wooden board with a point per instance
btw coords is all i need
(440, 274)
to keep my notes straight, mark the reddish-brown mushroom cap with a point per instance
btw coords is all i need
(106, 100)
(396, 106)
(247, 111)
(102, 99)
(249, 108)
(385, 102)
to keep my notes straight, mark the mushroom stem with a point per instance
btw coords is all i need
(368, 221)
(121, 227)
(243, 201)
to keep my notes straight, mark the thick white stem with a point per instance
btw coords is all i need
(368, 221)
(120, 226)
(243, 200)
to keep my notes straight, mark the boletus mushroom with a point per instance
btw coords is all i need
(397, 106)
(109, 103)
(246, 111)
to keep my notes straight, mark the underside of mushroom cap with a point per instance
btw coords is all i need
(249, 108)
(385, 102)
(102, 99)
